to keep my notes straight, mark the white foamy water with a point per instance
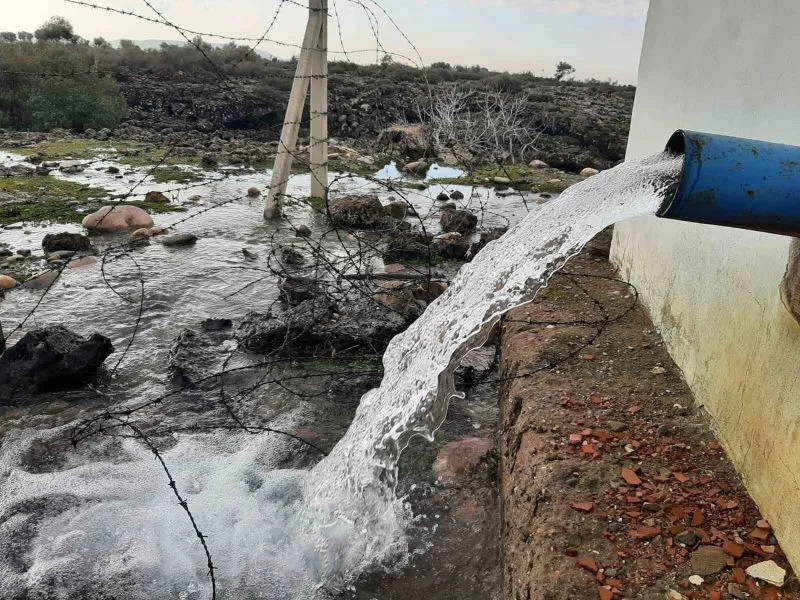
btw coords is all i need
(108, 526)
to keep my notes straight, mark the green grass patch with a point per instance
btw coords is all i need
(61, 149)
(45, 198)
(49, 186)
(175, 174)
(523, 178)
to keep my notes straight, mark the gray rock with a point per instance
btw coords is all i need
(443, 197)
(460, 221)
(315, 327)
(296, 290)
(358, 212)
(156, 198)
(457, 195)
(399, 210)
(687, 538)
(405, 245)
(50, 359)
(302, 231)
(451, 245)
(177, 240)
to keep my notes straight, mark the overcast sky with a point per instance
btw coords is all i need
(601, 38)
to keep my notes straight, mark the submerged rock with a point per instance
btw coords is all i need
(399, 210)
(460, 221)
(179, 239)
(50, 359)
(319, 326)
(75, 242)
(359, 212)
(156, 198)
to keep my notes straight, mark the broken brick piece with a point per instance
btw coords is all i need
(739, 576)
(583, 506)
(630, 477)
(575, 439)
(605, 593)
(681, 477)
(646, 533)
(588, 563)
(733, 549)
(762, 535)
(698, 518)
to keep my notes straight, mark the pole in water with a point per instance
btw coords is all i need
(311, 65)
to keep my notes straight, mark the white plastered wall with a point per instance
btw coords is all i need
(730, 67)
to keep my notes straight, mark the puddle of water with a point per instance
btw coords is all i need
(391, 172)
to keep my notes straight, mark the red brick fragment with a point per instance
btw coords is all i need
(761, 535)
(763, 524)
(698, 518)
(753, 588)
(645, 533)
(588, 563)
(583, 506)
(576, 439)
(714, 595)
(739, 576)
(630, 477)
(680, 477)
(605, 593)
(733, 549)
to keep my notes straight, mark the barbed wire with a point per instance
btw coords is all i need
(340, 277)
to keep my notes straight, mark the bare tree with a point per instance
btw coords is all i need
(486, 126)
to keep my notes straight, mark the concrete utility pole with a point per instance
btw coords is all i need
(312, 66)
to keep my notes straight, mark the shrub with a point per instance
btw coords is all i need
(80, 101)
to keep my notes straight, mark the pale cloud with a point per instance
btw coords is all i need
(605, 8)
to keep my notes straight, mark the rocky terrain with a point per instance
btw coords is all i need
(582, 125)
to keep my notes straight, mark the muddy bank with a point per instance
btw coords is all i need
(612, 483)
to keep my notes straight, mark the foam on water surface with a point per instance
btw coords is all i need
(107, 525)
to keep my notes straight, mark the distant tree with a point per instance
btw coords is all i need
(441, 65)
(8, 36)
(563, 69)
(55, 29)
(126, 44)
(25, 36)
(387, 60)
(100, 42)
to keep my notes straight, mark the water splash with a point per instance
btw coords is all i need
(106, 520)
(354, 486)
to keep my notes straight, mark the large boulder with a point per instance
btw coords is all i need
(122, 217)
(409, 139)
(74, 242)
(358, 212)
(50, 359)
(459, 221)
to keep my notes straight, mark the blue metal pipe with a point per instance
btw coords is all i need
(735, 182)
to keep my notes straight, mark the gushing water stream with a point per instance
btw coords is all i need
(293, 534)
